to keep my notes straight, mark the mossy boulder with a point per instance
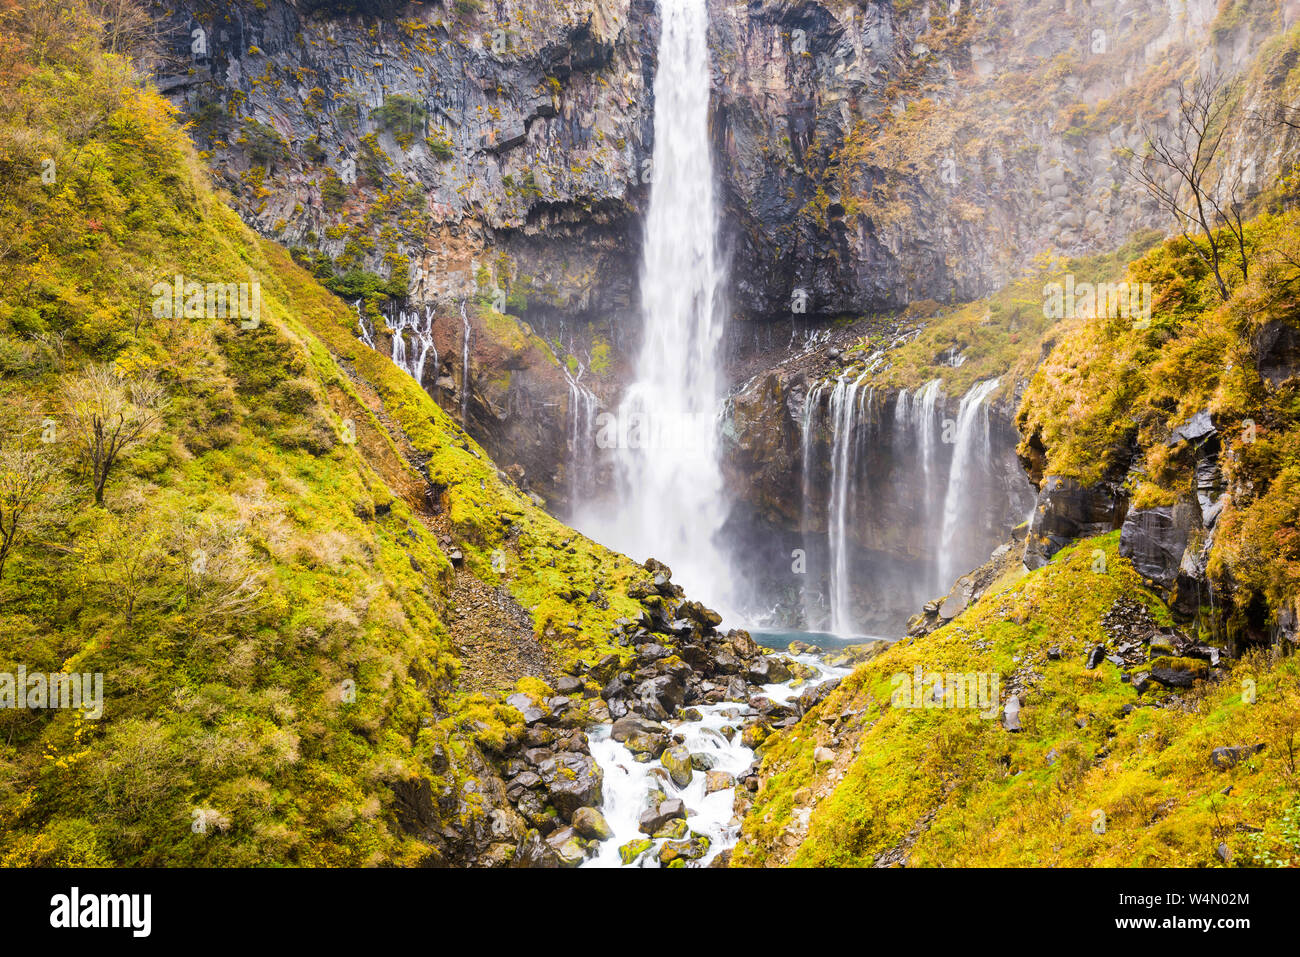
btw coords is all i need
(692, 849)
(590, 823)
(632, 850)
(674, 830)
(677, 761)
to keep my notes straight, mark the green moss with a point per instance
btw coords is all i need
(290, 691)
(955, 789)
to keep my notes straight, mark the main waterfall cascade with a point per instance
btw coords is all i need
(670, 500)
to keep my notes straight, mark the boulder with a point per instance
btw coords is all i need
(630, 851)
(569, 685)
(534, 851)
(632, 724)
(674, 830)
(701, 761)
(1179, 672)
(677, 761)
(568, 848)
(691, 849)
(573, 781)
(809, 698)
(590, 823)
(525, 705)
(718, 781)
(1230, 757)
(1011, 714)
(654, 818)
(651, 745)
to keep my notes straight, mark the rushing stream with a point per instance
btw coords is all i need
(629, 785)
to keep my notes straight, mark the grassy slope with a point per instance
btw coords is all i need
(954, 789)
(1004, 335)
(242, 712)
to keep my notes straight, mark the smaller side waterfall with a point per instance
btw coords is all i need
(916, 422)
(412, 357)
(464, 365)
(367, 330)
(844, 416)
(583, 406)
(970, 455)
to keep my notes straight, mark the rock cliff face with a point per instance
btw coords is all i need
(491, 154)
(495, 159)
(877, 153)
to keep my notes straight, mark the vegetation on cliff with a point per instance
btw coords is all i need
(1114, 390)
(263, 589)
(1097, 775)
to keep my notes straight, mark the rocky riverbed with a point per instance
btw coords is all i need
(648, 756)
(684, 805)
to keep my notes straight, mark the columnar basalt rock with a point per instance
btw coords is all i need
(493, 157)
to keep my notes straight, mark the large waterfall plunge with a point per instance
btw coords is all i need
(670, 492)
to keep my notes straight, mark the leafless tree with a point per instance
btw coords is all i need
(125, 555)
(129, 27)
(109, 415)
(1185, 171)
(29, 481)
(217, 568)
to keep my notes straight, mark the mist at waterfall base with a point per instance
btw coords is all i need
(669, 500)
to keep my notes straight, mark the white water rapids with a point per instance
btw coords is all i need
(628, 784)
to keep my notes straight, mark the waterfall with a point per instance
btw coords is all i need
(582, 420)
(915, 416)
(810, 403)
(464, 366)
(923, 420)
(844, 416)
(672, 502)
(367, 330)
(970, 454)
(412, 358)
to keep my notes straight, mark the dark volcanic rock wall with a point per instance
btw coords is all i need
(878, 153)
(494, 154)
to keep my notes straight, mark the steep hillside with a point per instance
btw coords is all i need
(298, 562)
(1114, 763)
